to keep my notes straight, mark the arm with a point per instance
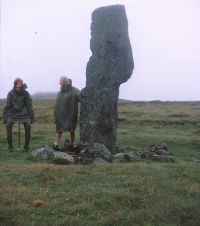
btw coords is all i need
(54, 114)
(29, 107)
(55, 108)
(7, 106)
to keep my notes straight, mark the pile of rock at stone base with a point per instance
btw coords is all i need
(98, 153)
(81, 154)
(158, 152)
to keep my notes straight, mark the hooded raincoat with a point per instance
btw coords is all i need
(18, 107)
(66, 109)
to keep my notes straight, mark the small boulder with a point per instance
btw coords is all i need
(101, 151)
(158, 152)
(118, 157)
(90, 153)
(130, 157)
(44, 152)
(163, 158)
(63, 158)
(146, 154)
(162, 152)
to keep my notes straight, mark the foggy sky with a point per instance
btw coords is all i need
(44, 39)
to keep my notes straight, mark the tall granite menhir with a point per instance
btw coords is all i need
(110, 65)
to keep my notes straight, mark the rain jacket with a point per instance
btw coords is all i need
(18, 107)
(66, 108)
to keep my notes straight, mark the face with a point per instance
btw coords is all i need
(18, 86)
(64, 81)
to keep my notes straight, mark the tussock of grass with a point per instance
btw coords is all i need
(144, 193)
(141, 193)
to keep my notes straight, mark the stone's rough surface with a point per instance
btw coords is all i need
(44, 152)
(163, 158)
(110, 65)
(99, 154)
(101, 151)
(130, 157)
(158, 152)
(59, 157)
(89, 154)
(63, 158)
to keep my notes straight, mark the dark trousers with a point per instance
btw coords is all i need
(27, 129)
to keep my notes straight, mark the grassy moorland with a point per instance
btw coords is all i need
(140, 193)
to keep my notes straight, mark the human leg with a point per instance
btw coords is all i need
(9, 135)
(72, 136)
(27, 129)
(57, 140)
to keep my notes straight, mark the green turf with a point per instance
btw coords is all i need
(140, 193)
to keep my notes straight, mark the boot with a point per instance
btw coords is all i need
(26, 148)
(56, 147)
(10, 148)
(27, 128)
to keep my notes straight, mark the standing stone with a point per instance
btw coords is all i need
(110, 65)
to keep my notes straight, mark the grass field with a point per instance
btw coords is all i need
(139, 193)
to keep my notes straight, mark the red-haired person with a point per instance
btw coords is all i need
(19, 109)
(66, 111)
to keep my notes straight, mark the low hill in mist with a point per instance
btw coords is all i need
(44, 95)
(53, 95)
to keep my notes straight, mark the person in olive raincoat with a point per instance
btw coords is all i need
(19, 109)
(66, 111)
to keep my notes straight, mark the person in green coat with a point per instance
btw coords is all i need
(19, 109)
(66, 111)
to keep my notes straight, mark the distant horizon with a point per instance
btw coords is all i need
(54, 92)
(40, 94)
